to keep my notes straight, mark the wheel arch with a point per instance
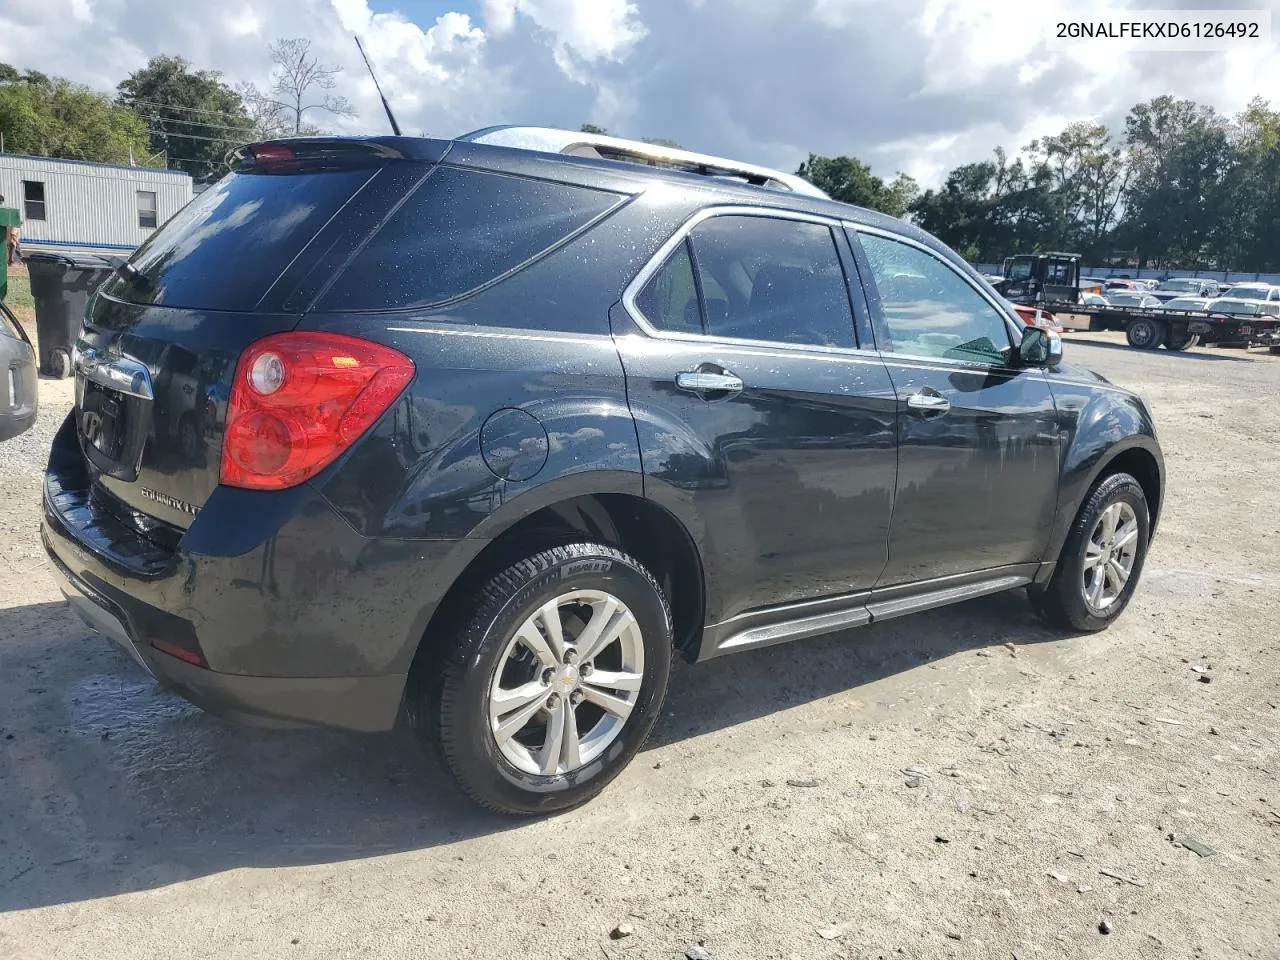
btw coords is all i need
(629, 522)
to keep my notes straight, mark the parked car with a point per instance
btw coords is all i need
(1240, 307)
(1036, 317)
(1185, 287)
(1134, 298)
(1094, 300)
(1266, 292)
(1189, 304)
(1119, 284)
(515, 419)
(20, 379)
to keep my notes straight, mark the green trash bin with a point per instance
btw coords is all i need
(61, 285)
(9, 217)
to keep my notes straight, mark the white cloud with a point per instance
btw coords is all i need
(916, 85)
(591, 29)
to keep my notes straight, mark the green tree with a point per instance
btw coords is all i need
(849, 180)
(193, 117)
(1180, 155)
(53, 117)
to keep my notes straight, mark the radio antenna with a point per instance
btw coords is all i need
(395, 127)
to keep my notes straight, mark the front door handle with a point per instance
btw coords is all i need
(703, 381)
(930, 402)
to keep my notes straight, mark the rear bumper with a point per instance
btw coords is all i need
(289, 615)
(365, 704)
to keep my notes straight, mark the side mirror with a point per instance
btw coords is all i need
(1040, 348)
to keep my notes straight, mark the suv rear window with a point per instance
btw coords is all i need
(226, 248)
(460, 230)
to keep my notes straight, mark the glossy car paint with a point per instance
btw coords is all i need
(19, 395)
(801, 495)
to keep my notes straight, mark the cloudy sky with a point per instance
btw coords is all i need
(914, 85)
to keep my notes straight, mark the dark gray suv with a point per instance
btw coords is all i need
(491, 429)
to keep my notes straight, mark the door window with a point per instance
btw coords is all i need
(929, 309)
(771, 279)
(669, 300)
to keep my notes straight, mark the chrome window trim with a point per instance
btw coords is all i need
(656, 262)
(1007, 313)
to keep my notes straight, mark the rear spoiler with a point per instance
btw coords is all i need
(295, 154)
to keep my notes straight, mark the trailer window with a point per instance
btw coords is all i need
(147, 209)
(33, 199)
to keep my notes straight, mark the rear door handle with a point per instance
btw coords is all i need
(701, 381)
(929, 402)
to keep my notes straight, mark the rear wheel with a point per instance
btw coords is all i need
(551, 685)
(1145, 333)
(1102, 560)
(1178, 339)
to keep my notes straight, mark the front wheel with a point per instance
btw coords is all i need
(1145, 333)
(1102, 560)
(551, 685)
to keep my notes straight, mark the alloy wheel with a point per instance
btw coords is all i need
(566, 683)
(1109, 556)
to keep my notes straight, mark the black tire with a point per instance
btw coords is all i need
(1179, 340)
(1145, 333)
(1062, 600)
(449, 696)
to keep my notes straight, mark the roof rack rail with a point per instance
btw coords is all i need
(600, 146)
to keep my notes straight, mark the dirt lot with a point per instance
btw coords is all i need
(771, 815)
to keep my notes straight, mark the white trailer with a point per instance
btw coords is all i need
(69, 205)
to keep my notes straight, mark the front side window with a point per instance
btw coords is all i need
(771, 279)
(929, 310)
(147, 209)
(33, 200)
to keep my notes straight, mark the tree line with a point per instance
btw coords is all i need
(1182, 187)
(167, 114)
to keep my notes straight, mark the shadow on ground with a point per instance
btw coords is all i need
(109, 785)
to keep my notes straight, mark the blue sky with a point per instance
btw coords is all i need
(912, 85)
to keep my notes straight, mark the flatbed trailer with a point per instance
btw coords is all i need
(1150, 327)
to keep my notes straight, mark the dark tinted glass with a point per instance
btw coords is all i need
(767, 279)
(226, 248)
(669, 301)
(459, 230)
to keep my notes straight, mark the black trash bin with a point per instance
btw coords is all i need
(61, 285)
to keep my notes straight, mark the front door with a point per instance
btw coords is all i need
(761, 424)
(979, 445)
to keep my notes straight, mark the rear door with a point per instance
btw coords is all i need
(979, 445)
(761, 423)
(157, 353)
(18, 377)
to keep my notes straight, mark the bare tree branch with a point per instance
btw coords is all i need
(296, 72)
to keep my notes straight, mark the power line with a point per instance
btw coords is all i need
(192, 136)
(248, 124)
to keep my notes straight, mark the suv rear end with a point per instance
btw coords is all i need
(282, 453)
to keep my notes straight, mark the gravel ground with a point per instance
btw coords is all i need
(965, 783)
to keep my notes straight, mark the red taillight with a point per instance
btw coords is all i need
(301, 399)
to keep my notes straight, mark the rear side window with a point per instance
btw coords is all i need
(226, 248)
(670, 298)
(459, 230)
(771, 279)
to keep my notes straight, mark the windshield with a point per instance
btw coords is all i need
(1250, 293)
(1186, 303)
(1238, 307)
(1180, 285)
(1020, 270)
